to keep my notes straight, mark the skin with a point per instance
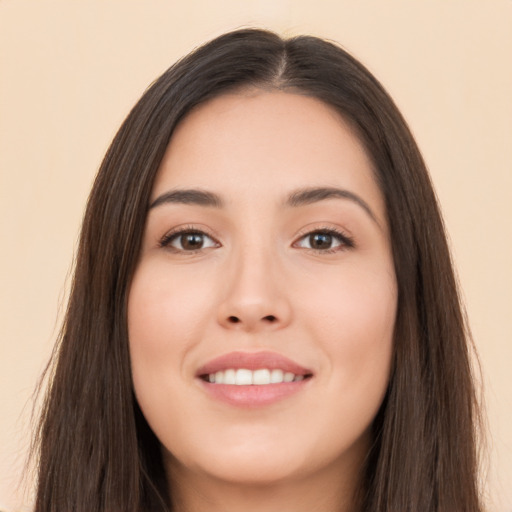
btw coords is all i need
(257, 284)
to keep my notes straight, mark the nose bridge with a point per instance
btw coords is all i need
(254, 297)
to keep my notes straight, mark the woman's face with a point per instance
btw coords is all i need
(262, 309)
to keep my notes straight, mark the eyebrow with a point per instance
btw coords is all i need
(296, 199)
(313, 195)
(188, 196)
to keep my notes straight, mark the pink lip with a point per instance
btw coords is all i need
(252, 396)
(252, 361)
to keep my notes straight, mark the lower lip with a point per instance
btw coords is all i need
(253, 396)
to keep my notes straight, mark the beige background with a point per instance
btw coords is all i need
(70, 71)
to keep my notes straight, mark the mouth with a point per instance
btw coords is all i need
(259, 377)
(252, 379)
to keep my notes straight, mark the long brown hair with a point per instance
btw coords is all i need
(96, 452)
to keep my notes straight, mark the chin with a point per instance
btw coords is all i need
(266, 462)
(244, 465)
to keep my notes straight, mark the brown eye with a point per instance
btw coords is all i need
(191, 241)
(188, 241)
(320, 241)
(325, 241)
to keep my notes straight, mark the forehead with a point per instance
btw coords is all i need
(255, 141)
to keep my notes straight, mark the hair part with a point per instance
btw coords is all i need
(96, 451)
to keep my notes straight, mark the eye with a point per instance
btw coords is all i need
(188, 241)
(325, 240)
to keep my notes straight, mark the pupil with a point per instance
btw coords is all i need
(192, 241)
(320, 241)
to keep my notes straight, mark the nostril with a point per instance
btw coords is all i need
(232, 319)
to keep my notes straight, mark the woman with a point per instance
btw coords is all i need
(264, 312)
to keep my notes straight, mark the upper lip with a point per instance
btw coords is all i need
(252, 361)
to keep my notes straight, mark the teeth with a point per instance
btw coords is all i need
(276, 376)
(243, 377)
(288, 377)
(261, 377)
(229, 377)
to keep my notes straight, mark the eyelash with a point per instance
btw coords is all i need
(345, 241)
(168, 238)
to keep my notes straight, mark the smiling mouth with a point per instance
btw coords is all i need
(253, 379)
(258, 377)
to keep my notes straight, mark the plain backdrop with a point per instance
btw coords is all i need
(71, 70)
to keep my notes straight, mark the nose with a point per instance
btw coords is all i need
(255, 295)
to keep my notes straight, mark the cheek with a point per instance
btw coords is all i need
(352, 318)
(165, 308)
(167, 316)
(167, 312)
(358, 303)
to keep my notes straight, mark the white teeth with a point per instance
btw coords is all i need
(260, 377)
(229, 377)
(276, 376)
(288, 377)
(243, 377)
